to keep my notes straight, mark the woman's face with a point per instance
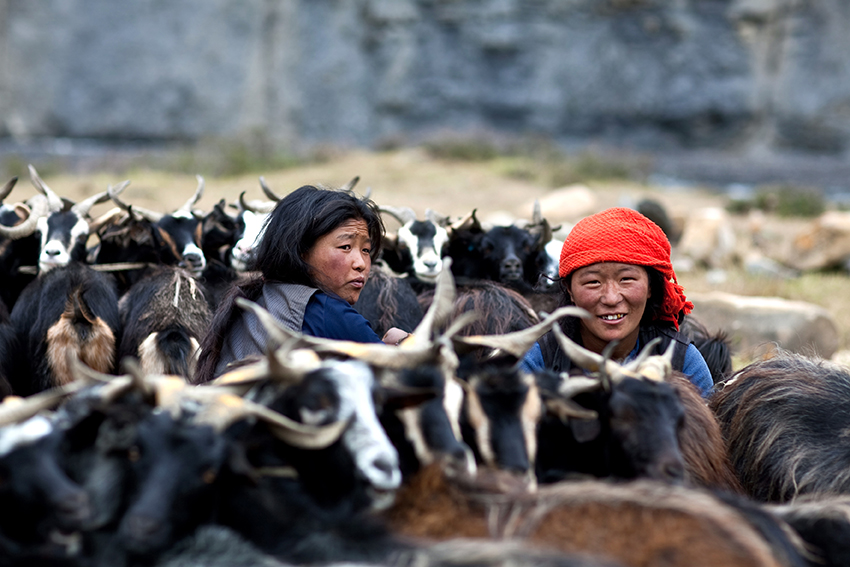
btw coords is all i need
(340, 260)
(615, 294)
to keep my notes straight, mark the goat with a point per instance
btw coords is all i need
(67, 308)
(39, 502)
(65, 230)
(151, 238)
(164, 316)
(19, 242)
(714, 347)
(631, 426)
(638, 523)
(419, 245)
(387, 301)
(823, 523)
(784, 420)
(706, 457)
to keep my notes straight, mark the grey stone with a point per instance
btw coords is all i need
(753, 323)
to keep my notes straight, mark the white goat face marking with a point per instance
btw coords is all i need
(453, 404)
(183, 215)
(21, 434)
(427, 263)
(192, 249)
(375, 457)
(480, 424)
(530, 416)
(255, 226)
(310, 417)
(411, 419)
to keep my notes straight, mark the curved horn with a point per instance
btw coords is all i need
(536, 214)
(403, 215)
(436, 218)
(8, 188)
(38, 208)
(149, 215)
(187, 206)
(469, 222)
(259, 207)
(268, 192)
(445, 293)
(83, 207)
(657, 368)
(54, 201)
(585, 358)
(351, 184)
(14, 409)
(518, 342)
(368, 194)
(633, 365)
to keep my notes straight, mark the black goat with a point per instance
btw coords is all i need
(39, 502)
(714, 347)
(784, 420)
(19, 242)
(164, 316)
(67, 308)
(632, 425)
(151, 238)
(387, 301)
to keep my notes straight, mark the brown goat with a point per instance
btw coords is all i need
(707, 462)
(639, 524)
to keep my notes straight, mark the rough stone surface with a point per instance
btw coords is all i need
(663, 73)
(752, 323)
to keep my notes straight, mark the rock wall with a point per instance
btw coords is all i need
(665, 73)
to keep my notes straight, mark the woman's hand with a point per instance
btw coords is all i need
(394, 336)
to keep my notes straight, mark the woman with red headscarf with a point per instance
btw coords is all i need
(616, 265)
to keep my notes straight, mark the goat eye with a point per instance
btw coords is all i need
(208, 476)
(133, 454)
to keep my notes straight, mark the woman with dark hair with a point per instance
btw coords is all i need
(312, 262)
(616, 265)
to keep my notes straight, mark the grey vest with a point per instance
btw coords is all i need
(247, 337)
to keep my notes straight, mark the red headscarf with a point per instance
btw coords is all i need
(626, 236)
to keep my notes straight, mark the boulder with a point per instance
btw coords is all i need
(567, 204)
(708, 239)
(825, 243)
(753, 323)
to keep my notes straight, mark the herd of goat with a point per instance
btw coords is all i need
(439, 451)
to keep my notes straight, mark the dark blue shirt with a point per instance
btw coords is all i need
(331, 317)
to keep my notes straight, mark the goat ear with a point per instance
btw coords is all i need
(585, 430)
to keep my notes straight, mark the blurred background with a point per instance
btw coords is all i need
(740, 105)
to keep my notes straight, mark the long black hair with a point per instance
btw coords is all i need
(296, 223)
(299, 220)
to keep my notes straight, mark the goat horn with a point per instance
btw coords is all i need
(268, 192)
(109, 217)
(436, 218)
(585, 358)
(657, 368)
(187, 206)
(221, 409)
(368, 194)
(469, 222)
(15, 409)
(146, 214)
(83, 207)
(518, 342)
(38, 208)
(536, 215)
(8, 188)
(403, 215)
(445, 294)
(53, 200)
(351, 184)
(633, 365)
(566, 408)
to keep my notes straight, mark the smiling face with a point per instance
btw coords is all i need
(616, 295)
(340, 260)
